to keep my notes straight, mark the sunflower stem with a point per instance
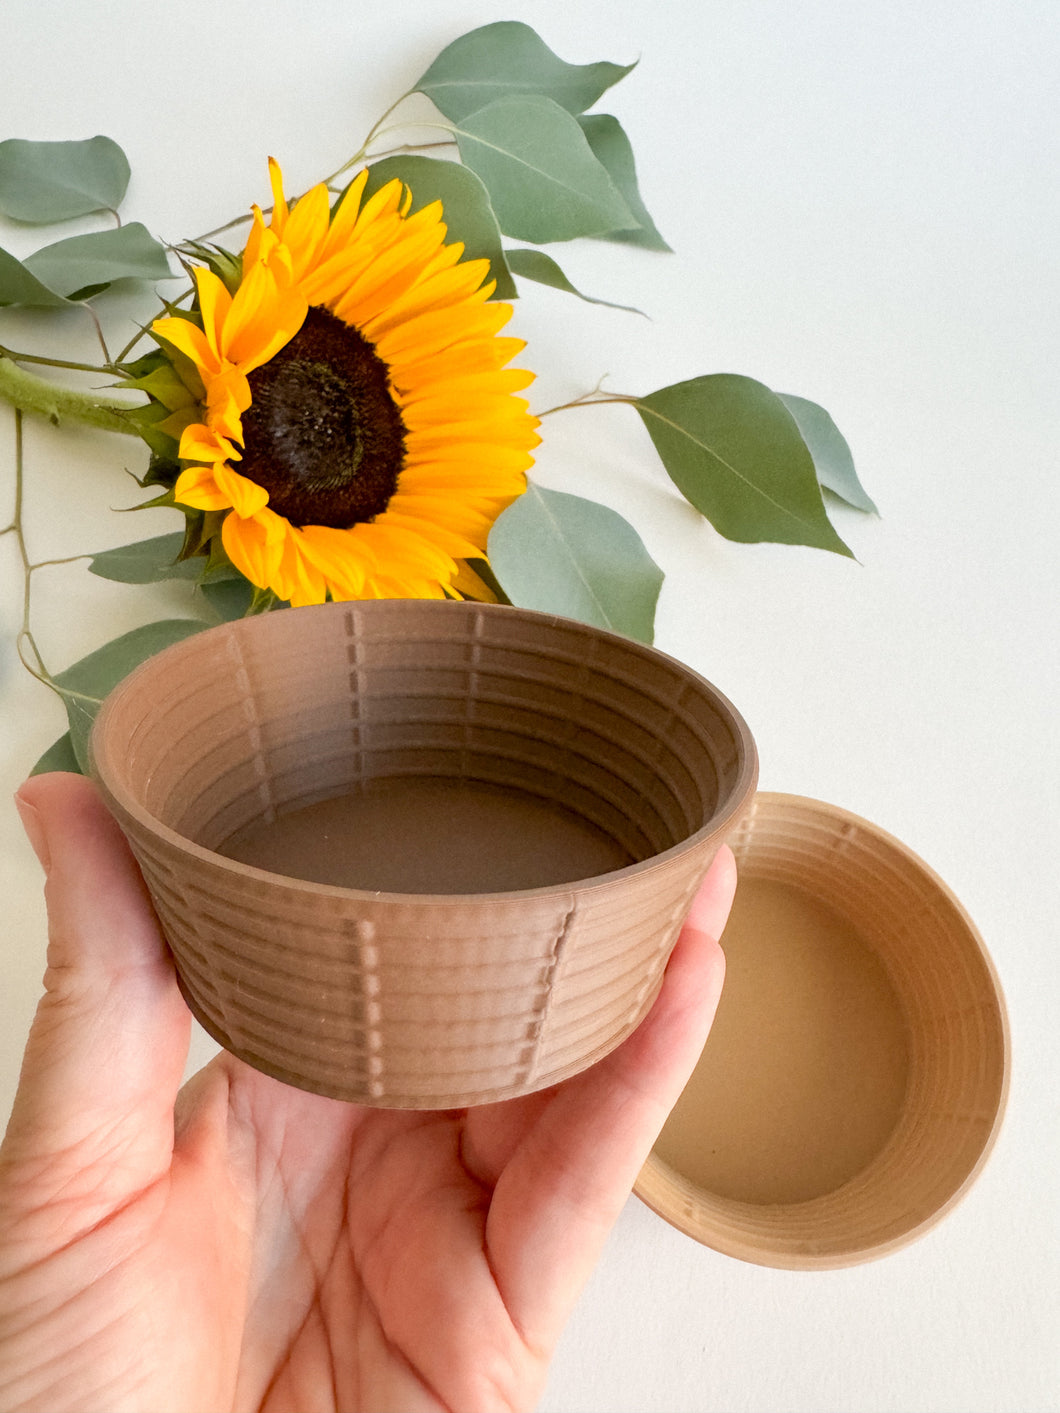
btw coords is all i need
(27, 392)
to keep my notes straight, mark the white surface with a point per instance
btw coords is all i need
(863, 199)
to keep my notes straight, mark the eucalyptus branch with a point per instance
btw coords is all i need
(18, 357)
(25, 634)
(374, 132)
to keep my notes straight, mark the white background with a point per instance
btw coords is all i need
(863, 201)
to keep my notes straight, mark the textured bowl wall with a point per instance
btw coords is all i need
(406, 1000)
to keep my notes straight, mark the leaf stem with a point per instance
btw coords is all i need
(410, 147)
(591, 399)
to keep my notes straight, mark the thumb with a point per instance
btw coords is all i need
(108, 1045)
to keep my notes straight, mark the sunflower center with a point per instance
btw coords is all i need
(323, 434)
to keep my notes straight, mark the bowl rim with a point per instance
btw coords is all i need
(666, 1191)
(122, 802)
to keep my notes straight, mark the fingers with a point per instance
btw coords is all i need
(109, 1041)
(567, 1182)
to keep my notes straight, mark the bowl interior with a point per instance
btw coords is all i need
(473, 748)
(861, 1069)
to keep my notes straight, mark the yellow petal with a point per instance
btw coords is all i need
(254, 545)
(196, 487)
(245, 497)
(201, 443)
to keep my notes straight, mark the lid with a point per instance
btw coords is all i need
(855, 1077)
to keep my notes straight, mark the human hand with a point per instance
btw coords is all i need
(245, 1245)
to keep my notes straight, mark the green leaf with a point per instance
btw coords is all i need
(19, 286)
(85, 264)
(536, 265)
(612, 149)
(734, 450)
(228, 598)
(146, 561)
(506, 59)
(41, 182)
(59, 756)
(544, 182)
(84, 685)
(562, 554)
(830, 452)
(465, 202)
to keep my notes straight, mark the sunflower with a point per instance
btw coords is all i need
(360, 426)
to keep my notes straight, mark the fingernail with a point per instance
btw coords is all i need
(34, 827)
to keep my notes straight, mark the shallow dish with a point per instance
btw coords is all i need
(855, 1079)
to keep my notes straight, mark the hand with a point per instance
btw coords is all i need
(244, 1245)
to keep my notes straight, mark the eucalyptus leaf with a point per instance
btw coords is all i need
(562, 554)
(469, 217)
(59, 756)
(509, 58)
(830, 452)
(544, 182)
(41, 182)
(19, 286)
(536, 265)
(85, 264)
(736, 453)
(146, 561)
(228, 598)
(612, 148)
(84, 685)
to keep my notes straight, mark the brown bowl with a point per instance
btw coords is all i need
(855, 1078)
(498, 820)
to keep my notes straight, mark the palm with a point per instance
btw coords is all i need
(272, 1249)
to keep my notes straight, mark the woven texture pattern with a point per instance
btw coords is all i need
(401, 1000)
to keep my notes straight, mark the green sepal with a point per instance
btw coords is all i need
(164, 384)
(162, 469)
(507, 59)
(223, 263)
(182, 364)
(484, 570)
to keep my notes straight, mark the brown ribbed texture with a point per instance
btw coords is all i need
(957, 1037)
(402, 1000)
